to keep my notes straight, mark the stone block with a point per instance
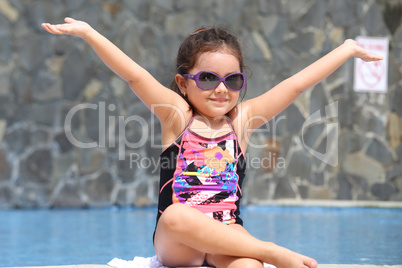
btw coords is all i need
(5, 166)
(284, 189)
(70, 120)
(391, 14)
(63, 142)
(5, 48)
(141, 194)
(344, 187)
(343, 12)
(75, 74)
(99, 188)
(298, 9)
(367, 120)
(312, 134)
(345, 108)
(43, 11)
(64, 166)
(318, 179)
(259, 187)
(22, 84)
(127, 167)
(75, 5)
(183, 22)
(302, 42)
(270, 154)
(68, 194)
(294, 119)
(33, 196)
(274, 27)
(350, 142)
(321, 193)
(383, 191)
(32, 57)
(318, 99)
(43, 113)
(3, 129)
(18, 138)
(360, 165)
(379, 151)
(7, 197)
(271, 7)
(46, 87)
(394, 173)
(6, 23)
(37, 167)
(90, 160)
(374, 22)
(394, 127)
(299, 166)
(122, 198)
(396, 98)
(314, 17)
(9, 11)
(303, 191)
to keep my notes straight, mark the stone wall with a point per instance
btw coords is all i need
(73, 134)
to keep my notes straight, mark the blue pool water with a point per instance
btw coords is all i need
(95, 236)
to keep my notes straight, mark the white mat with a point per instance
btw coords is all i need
(150, 262)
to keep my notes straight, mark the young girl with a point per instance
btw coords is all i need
(205, 132)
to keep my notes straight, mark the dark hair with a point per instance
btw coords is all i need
(206, 40)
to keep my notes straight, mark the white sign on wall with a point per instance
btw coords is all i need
(372, 76)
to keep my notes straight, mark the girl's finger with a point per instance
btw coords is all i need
(69, 20)
(51, 28)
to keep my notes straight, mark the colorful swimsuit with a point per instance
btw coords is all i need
(203, 173)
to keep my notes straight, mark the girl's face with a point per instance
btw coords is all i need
(219, 100)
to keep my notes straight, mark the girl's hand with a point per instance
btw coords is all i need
(360, 52)
(71, 27)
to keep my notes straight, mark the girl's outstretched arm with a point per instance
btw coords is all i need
(148, 89)
(279, 97)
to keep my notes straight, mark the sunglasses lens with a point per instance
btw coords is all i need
(235, 81)
(208, 80)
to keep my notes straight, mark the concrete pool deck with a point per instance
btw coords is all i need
(320, 266)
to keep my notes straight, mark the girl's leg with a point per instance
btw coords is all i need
(184, 235)
(233, 262)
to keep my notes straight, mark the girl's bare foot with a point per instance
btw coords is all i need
(285, 258)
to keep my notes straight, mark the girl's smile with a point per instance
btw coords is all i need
(219, 100)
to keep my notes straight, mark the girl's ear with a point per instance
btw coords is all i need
(181, 83)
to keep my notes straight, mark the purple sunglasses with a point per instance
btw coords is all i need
(208, 80)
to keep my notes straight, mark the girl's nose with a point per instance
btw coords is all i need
(221, 88)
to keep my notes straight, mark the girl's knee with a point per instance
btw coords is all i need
(175, 216)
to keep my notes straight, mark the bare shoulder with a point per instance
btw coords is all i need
(240, 116)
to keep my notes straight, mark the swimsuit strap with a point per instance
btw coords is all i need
(230, 124)
(185, 129)
(239, 150)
